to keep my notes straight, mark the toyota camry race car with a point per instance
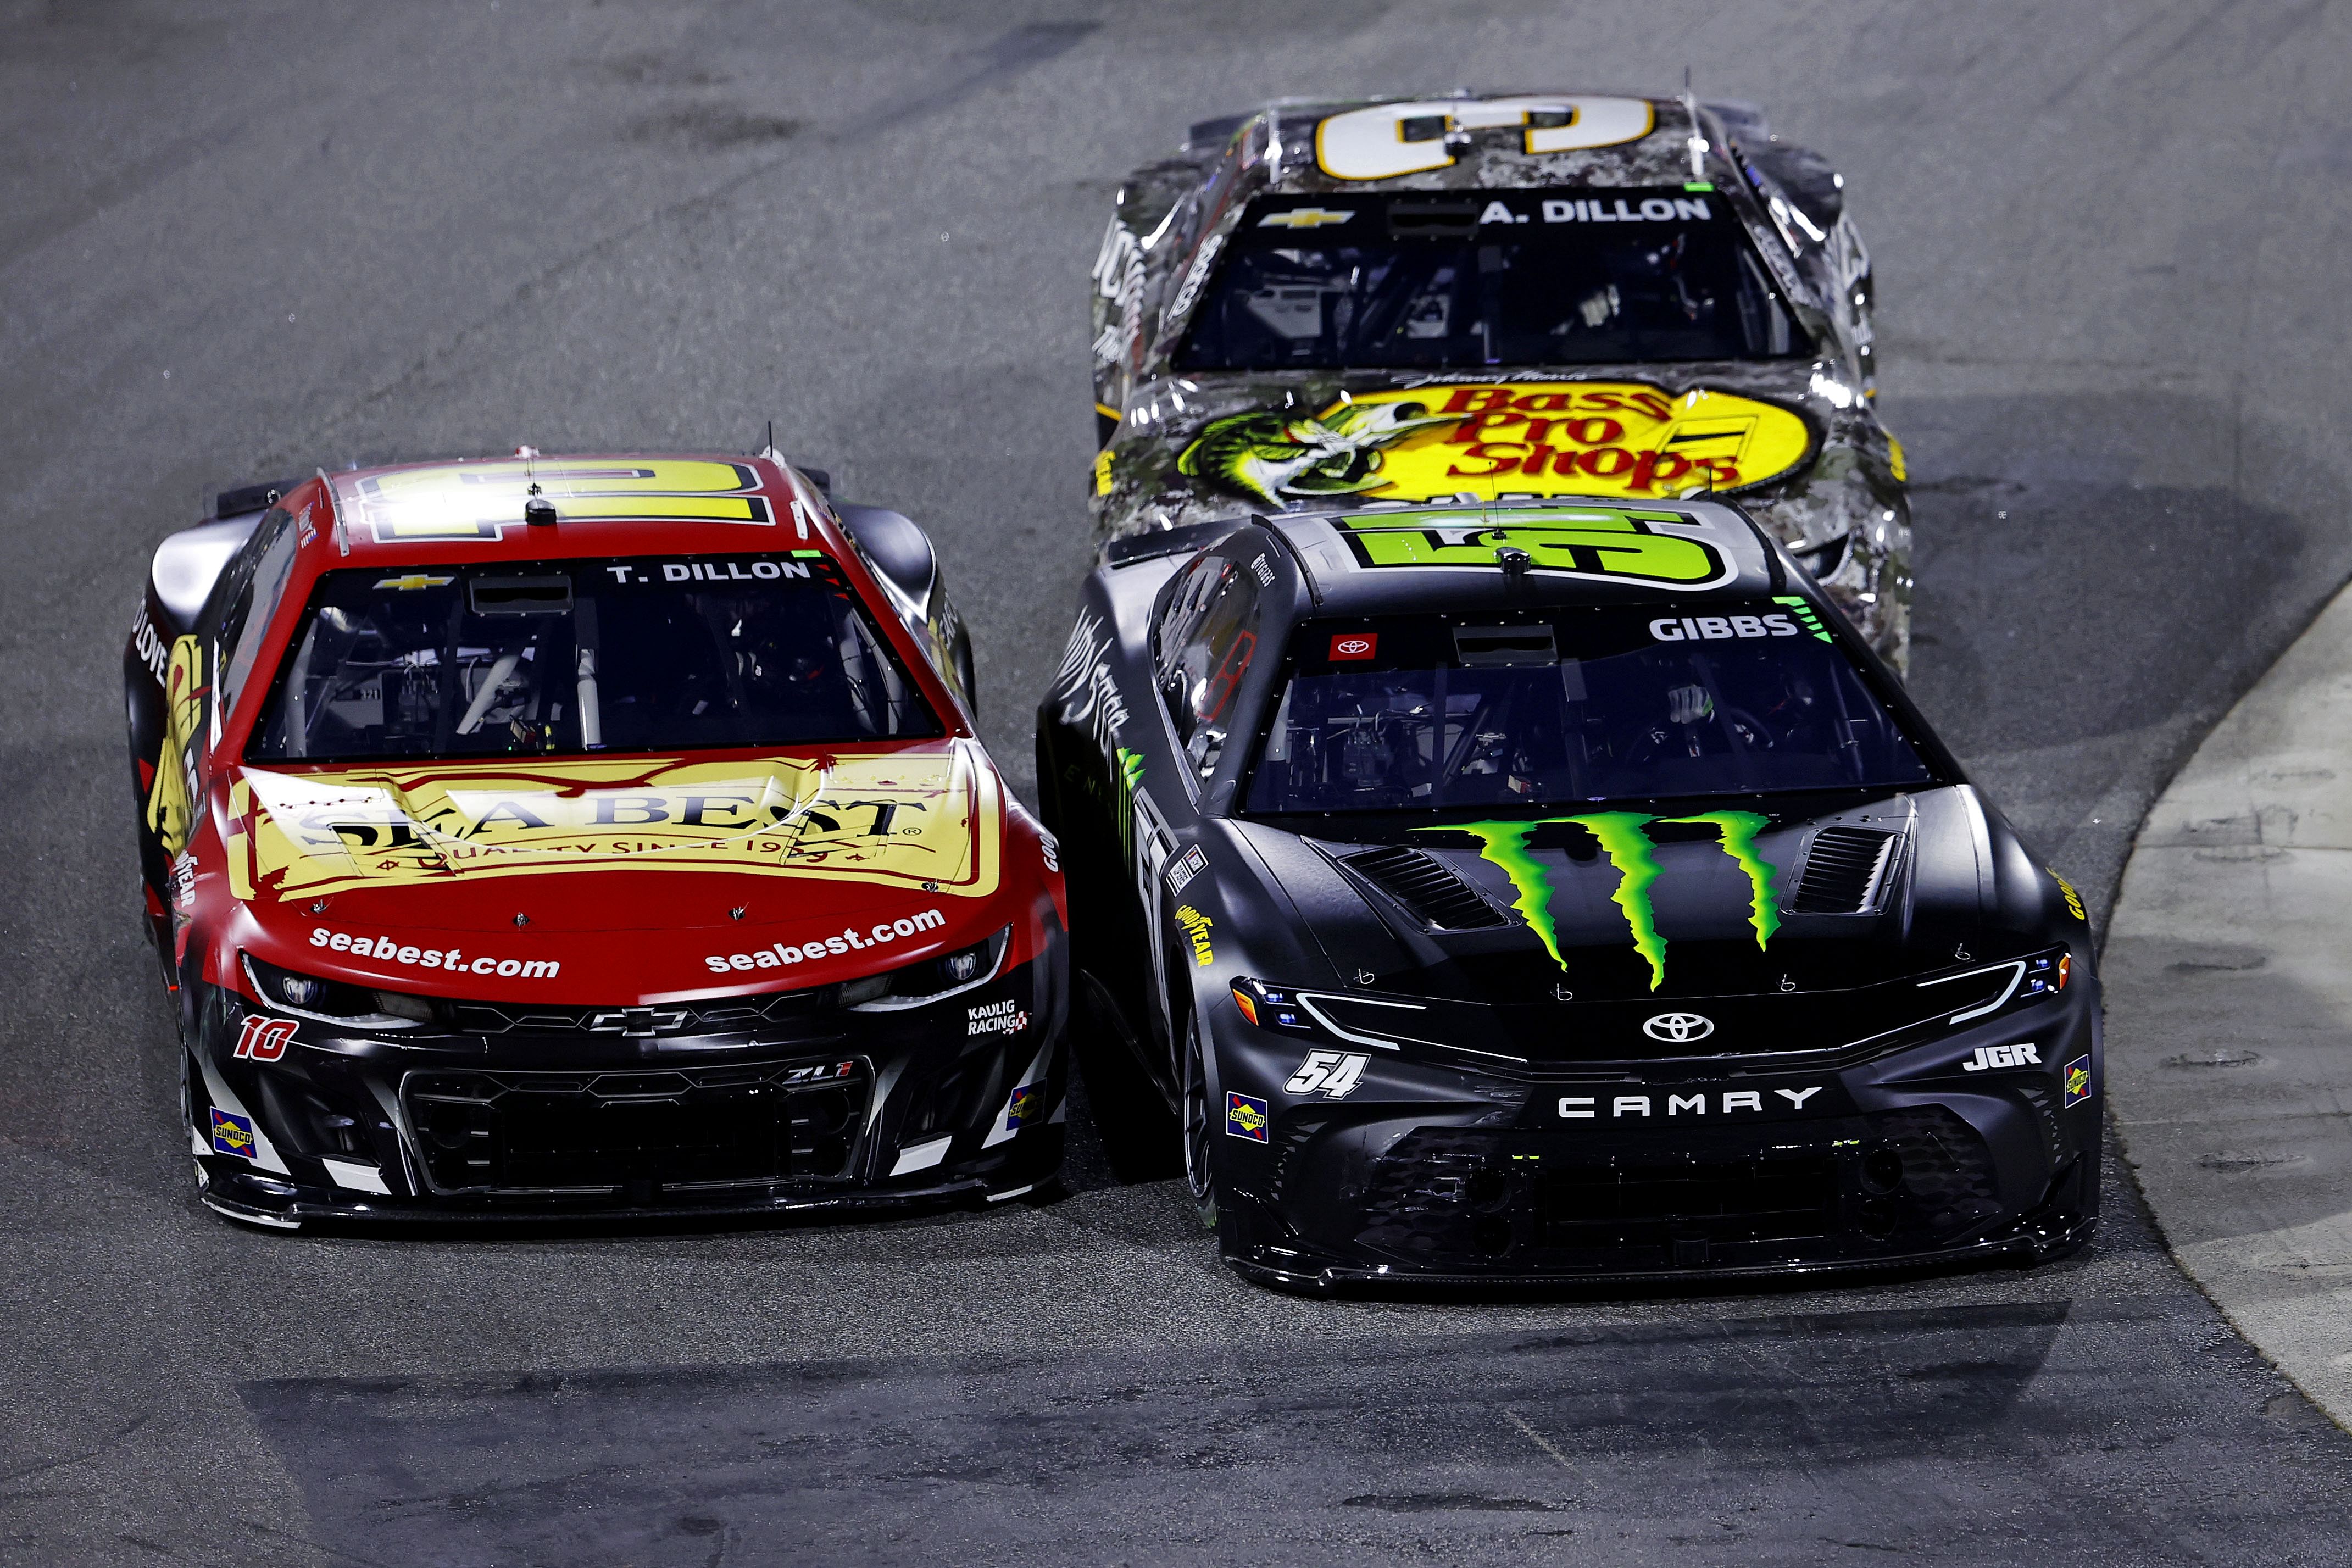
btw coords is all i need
(586, 835)
(1324, 304)
(1557, 891)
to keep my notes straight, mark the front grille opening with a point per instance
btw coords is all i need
(1766, 1198)
(1430, 893)
(602, 1132)
(1845, 871)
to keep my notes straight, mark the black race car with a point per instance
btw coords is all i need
(1555, 891)
(1320, 304)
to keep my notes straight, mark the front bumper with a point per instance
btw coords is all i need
(832, 1110)
(1435, 1174)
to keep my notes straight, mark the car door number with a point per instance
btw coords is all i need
(1331, 1074)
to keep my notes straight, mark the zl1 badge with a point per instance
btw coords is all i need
(1334, 1075)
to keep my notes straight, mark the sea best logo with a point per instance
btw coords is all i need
(1596, 542)
(1494, 441)
(1196, 926)
(1588, 1107)
(1004, 1017)
(776, 955)
(1621, 836)
(450, 960)
(928, 819)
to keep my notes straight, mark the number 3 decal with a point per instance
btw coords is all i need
(1392, 139)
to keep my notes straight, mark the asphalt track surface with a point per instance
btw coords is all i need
(240, 242)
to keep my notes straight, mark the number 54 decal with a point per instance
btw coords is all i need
(1331, 1074)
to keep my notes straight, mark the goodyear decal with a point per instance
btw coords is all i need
(927, 821)
(1623, 837)
(457, 501)
(1595, 543)
(1196, 927)
(2074, 899)
(1495, 441)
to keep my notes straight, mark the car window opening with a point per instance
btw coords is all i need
(1573, 277)
(1588, 705)
(633, 654)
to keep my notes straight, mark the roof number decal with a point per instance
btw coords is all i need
(1386, 139)
(447, 502)
(1594, 542)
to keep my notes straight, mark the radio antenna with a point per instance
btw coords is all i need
(1698, 142)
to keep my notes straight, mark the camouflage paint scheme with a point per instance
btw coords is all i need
(1843, 509)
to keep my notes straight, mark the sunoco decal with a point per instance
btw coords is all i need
(1595, 543)
(1621, 838)
(1522, 438)
(929, 820)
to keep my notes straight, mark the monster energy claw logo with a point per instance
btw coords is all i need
(1622, 838)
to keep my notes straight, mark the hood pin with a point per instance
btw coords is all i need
(736, 913)
(521, 919)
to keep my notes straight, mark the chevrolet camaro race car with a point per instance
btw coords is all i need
(1408, 301)
(1557, 891)
(601, 835)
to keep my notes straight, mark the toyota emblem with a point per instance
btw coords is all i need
(1678, 1028)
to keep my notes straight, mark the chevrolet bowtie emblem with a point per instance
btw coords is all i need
(414, 581)
(1304, 217)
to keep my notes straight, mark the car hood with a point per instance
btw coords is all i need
(1191, 447)
(1796, 925)
(631, 874)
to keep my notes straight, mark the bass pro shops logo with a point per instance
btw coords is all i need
(1522, 438)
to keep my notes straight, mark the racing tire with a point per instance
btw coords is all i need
(1197, 1124)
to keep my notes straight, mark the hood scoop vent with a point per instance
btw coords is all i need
(1432, 894)
(1847, 871)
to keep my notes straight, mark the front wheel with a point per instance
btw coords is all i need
(1200, 1179)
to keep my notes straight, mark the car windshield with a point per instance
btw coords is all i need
(1626, 702)
(1489, 277)
(643, 654)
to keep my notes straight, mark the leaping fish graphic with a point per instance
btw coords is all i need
(1274, 456)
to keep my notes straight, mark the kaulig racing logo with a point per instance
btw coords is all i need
(1621, 838)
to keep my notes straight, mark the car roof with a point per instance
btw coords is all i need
(1581, 551)
(621, 504)
(1572, 138)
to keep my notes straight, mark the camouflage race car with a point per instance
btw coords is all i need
(1407, 301)
(589, 836)
(1565, 893)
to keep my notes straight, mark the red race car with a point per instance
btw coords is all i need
(599, 835)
